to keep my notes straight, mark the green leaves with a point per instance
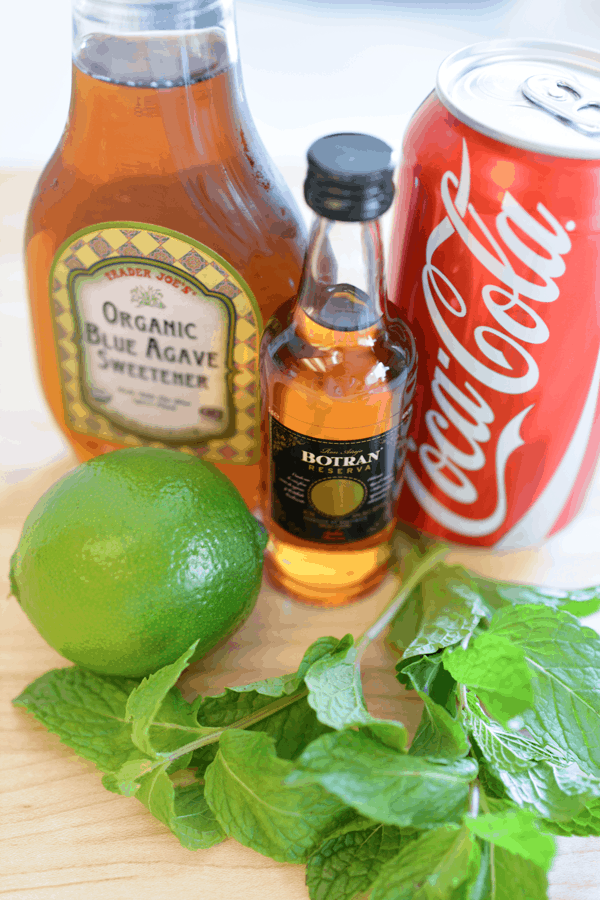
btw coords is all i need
(434, 867)
(517, 831)
(386, 785)
(439, 734)
(194, 822)
(183, 810)
(86, 711)
(504, 876)
(426, 673)
(139, 734)
(349, 861)
(497, 670)
(146, 699)
(277, 706)
(580, 602)
(565, 659)
(335, 691)
(443, 610)
(246, 790)
(536, 776)
(585, 824)
(506, 750)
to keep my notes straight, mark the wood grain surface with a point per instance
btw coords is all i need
(63, 837)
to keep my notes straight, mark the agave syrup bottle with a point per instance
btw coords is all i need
(337, 381)
(159, 239)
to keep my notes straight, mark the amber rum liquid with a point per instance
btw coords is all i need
(160, 188)
(345, 397)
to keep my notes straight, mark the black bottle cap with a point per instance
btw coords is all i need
(349, 177)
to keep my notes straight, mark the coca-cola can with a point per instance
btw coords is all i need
(495, 264)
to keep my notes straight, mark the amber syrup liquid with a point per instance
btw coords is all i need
(177, 157)
(316, 382)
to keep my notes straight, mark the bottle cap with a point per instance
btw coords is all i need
(349, 177)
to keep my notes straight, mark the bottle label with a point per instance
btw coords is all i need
(332, 492)
(157, 338)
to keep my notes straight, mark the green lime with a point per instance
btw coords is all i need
(135, 554)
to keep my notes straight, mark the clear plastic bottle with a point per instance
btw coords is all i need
(159, 239)
(338, 378)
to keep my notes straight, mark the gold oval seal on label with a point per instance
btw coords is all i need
(337, 496)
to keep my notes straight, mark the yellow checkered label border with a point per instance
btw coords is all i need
(125, 241)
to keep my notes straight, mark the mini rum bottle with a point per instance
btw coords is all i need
(337, 382)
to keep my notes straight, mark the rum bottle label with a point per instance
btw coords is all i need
(332, 492)
(157, 339)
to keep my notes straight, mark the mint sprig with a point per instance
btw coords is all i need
(298, 768)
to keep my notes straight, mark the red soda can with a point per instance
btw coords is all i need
(495, 264)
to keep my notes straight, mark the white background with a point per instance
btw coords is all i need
(310, 67)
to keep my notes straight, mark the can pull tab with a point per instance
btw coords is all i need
(567, 100)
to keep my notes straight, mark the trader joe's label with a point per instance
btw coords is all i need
(332, 492)
(157, 338)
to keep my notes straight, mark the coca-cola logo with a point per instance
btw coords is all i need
(519, 323)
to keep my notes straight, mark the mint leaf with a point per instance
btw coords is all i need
(427, 674)
(336, 695)
(335, 690)
(497, 670)
(128, 778)
(447, 608)
(438, 733)
(405, 627)
(292, 728)
(432, 867)
(348, 862)
(245, 789)
(183, 810)
(565, 658)
(515, 830)
(510, 876)
(477, 884)
(387, 732)
(585, 824)
(535, 776)
(547, 789)
(174, 727)
(155, 791)
(384, 784)
(536, 790)
(86, 711)
(489, 782)
(194, 823)
(506, 750)
(89, 714)
(580, 602)
(147, 698)
(504, 875)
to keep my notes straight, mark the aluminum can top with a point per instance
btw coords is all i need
(538, 95)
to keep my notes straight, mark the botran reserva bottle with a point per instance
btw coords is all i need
(337, 382)
(159, 239)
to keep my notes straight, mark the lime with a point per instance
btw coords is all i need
(135, 554)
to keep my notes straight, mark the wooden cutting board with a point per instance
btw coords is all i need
(63, 837)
